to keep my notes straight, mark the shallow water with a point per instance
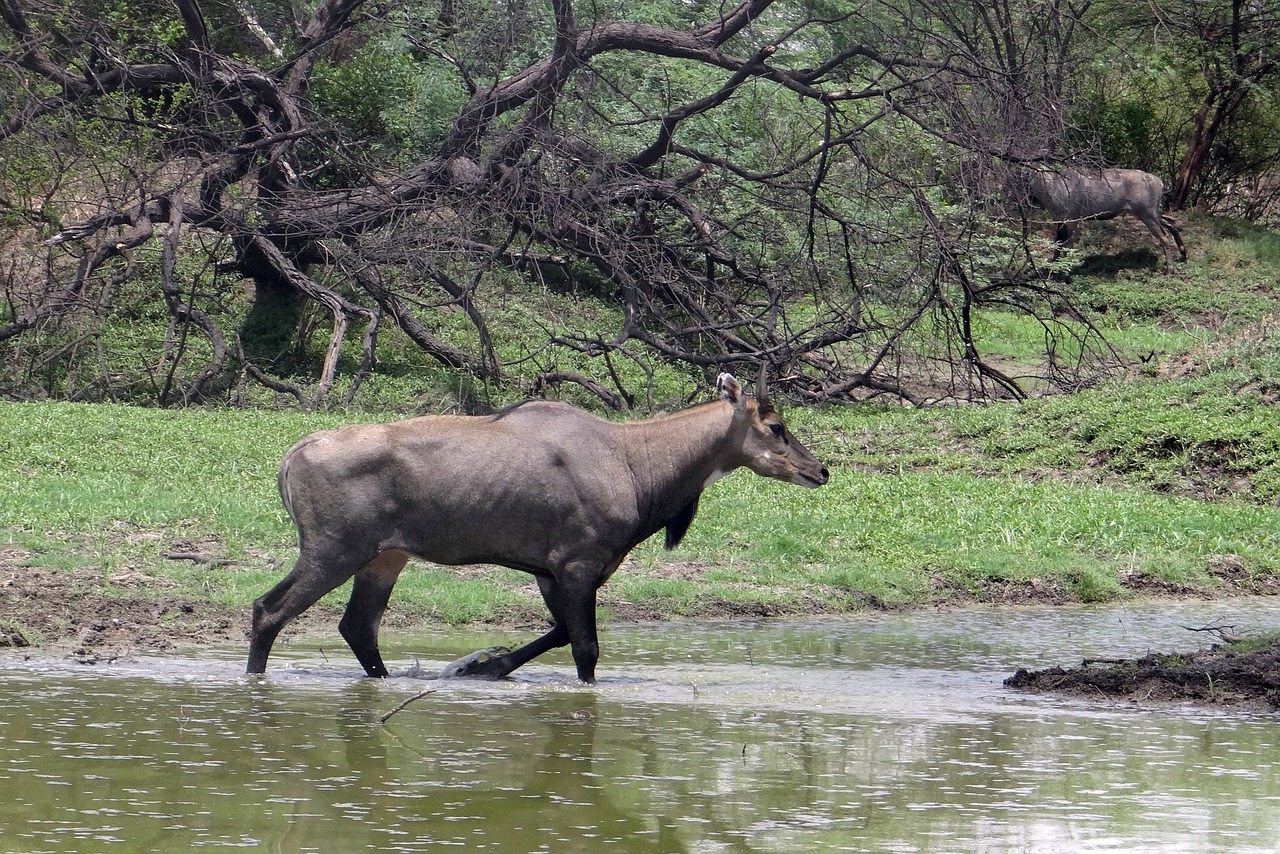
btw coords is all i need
(885, 733)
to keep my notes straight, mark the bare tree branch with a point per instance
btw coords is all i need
(738, 195)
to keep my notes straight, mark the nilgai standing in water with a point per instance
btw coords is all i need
(540, 487)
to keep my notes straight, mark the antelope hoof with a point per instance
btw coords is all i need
(485, 663)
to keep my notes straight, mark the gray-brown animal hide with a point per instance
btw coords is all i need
(1074, 195)
(542, 487)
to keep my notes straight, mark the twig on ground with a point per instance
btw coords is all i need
(200, 558)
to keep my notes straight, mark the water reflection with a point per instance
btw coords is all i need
(879, 734)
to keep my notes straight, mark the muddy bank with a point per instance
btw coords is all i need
(79, 614)
(82, 610)
(1218, 676)
(66, 611)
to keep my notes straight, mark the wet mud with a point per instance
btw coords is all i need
(1218, 676)
(67, 611)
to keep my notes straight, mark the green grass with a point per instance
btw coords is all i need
(1209, 434)
(79, 468)
(920, 503)
(1264, 640)
(1156, 474)
(891, 535)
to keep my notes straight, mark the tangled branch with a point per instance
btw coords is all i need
(764, 253)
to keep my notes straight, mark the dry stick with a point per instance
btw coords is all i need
(200, 558)
(417, 696)
(1227, 634)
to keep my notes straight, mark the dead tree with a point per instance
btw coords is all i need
(719, 250)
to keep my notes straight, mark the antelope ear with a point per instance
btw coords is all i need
(730, 390)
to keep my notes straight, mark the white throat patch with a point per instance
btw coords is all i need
(715, 475)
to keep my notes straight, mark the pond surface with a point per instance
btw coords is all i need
(882, 733)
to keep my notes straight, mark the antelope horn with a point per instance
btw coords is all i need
(762, 388)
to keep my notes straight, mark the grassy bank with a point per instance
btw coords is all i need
(1166, 480)
(923, 507)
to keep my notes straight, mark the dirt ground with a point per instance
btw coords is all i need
(67, 613)
(64, 611)
(1214, 677)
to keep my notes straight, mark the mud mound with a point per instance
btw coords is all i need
(1218, 676)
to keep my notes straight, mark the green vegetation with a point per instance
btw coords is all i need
(1153, 481)
(1255, 642)
(455, 204)
(118, 489)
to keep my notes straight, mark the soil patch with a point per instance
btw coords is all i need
(1217, 677)
(67, 611)
(78, 613)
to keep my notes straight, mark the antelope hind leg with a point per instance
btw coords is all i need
(498, 661)
(483, 662)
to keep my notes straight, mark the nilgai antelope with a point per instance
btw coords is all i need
(1073, 196)
(540, 487)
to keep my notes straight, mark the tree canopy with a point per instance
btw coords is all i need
(264, 193)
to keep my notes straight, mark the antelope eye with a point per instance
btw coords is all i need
(776, 428)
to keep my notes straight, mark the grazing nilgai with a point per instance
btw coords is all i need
(540, 487)
(1073, 196)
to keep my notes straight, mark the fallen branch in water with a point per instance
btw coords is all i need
(1226, 634)
(417, 696)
